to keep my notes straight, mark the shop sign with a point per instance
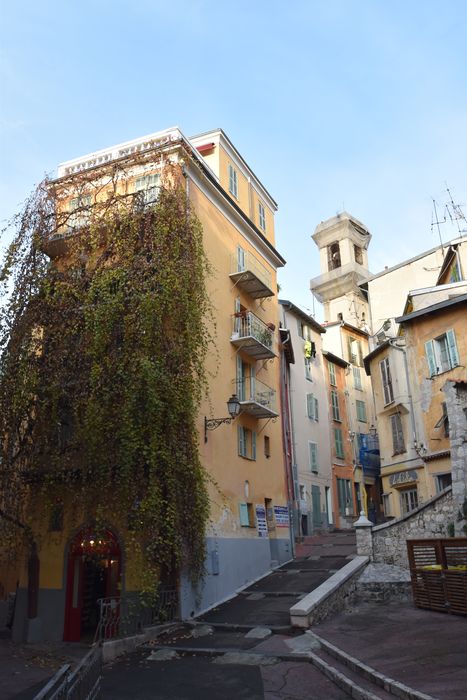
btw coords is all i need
(281, 514)
(403, 477)
(261, 523)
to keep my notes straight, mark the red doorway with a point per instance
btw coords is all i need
(94, 567)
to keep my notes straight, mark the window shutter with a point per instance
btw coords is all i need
(309, 405)
(313, 456)
(241, 441)
(240, 259)
(397, 434)
(253, 445)
(452, 348)
(244, 519)
(389, 380)
(316, 416)
(431, 359)
(240, 380)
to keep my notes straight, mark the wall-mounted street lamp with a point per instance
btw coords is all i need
(233, 407)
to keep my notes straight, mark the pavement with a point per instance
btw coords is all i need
(246, 648)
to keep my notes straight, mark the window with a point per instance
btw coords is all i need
(387, 504)
(313, 450)
(441, 353)
(361, 411)
(308, 368)
(304, 331)
(267, 447)
(397, 434)
(344, 496)
(355, 351)
(338, 443)
(444, 420)
(79, 208)
(233, 182)
(332, 374)
(247, 515)
(246, 442)
(240, 259)
(357, 378)
(386, 380)
(302, 492)
(409, 500)
(312, 407)
(358, 254)
(443, 481)
(336, 414)
(334, 256)
(148, 186)
(262, 216)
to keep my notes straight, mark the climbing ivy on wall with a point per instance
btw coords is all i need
(102, 363)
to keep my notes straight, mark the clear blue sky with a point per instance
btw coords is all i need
(359, 104)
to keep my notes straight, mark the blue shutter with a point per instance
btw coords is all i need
(431, 359)
(452, 348)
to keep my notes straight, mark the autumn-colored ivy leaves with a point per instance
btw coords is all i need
(103, 351)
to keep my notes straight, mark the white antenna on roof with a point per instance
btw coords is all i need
(455, 213)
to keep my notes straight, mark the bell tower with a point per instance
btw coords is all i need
(343, 242)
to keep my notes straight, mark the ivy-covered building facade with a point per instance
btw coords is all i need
(145, 299)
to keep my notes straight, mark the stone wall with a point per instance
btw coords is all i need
(386, 544)
(456, 404)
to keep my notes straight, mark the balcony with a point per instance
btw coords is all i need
(251, 276)
(256, 399)
(252, 336)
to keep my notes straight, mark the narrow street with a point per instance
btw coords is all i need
(243, 649)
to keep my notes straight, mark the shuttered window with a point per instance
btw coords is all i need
(386, 380)
(357, 378)
(361, 411)
(397, 434)
(312, 407)
(246, 442)
(233, 181)
(332, 374)
(313, 449)
(441, 353)
(338, 443)
(336, 415)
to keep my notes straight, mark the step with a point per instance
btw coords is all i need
(383, 686)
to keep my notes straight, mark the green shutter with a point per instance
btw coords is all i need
(316, 416)
(338, 443)
(253, 445)
(452, 348)
(431, 359)
(241, 441)
(309, 406)
(313, 456)
(244, 519)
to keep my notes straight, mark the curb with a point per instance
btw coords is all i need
(390, 685)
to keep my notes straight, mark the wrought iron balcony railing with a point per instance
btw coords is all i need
(256, 398)
(250, 275)
(252, 335)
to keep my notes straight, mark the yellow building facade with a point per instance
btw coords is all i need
(248, 530)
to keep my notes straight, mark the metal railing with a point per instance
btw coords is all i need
(251, 389)
(249, 325)
(123, 616)
(84, 683)
(250, 263)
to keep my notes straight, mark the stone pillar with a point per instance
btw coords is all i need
(364, 536)
(456, 405)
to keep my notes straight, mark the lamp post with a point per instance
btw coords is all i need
(233, 407)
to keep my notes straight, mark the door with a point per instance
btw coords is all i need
(316, 507)
(93, 573)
